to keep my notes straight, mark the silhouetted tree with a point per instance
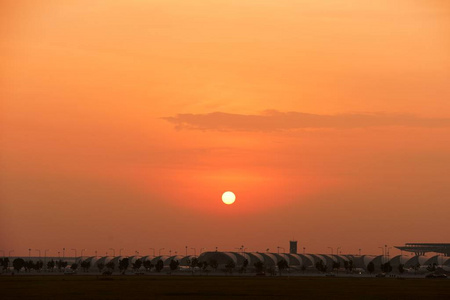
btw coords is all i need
(337, 265)
(350, 266)
(320, 266)
(214, 264)
(259, 267)
(174, 265)
(386, 267)
(61, 264)
(110, 265)
(371, 267)
(194, 263)
(245, 263)
(200, 264)
(18, 264)
(159, 265)
(243, 268)
(38, 265)
(85, 265)
(123, 264)
(204, 266)
(5, 263)
(137, 264)
(282, 265)
(29, 265)
(100, 266)
(88, 266)
(74, 266)
(229, 267)
(148, 265)
(51, 265)
(401, 268)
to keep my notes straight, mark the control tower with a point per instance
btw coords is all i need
(293, 247)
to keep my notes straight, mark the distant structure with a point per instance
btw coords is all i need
(293, 247)
(422, 248)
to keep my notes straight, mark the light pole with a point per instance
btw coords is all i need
(388, 252)
(195, 252)
(385, 252)
(304, 249)
(337, 250)
(75, 250)
(82, 250)
(153, 251)
(120, 251)
(382, 254)
(331, 250)
(39, 252)
(170, 252)
(64, 252)
(45, 255)
(187, 247)
(113, 250)
(96, 253)
(159, 252)
(359, 251)
(29, 253)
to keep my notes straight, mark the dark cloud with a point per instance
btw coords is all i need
(274, 121)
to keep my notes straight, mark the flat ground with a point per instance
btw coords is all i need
(214, 287)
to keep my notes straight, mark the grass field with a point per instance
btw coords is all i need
(186, 287)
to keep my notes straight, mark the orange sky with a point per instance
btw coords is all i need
(123, 122)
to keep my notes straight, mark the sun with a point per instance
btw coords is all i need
(228, 198)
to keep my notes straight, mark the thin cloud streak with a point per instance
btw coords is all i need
(273, 120)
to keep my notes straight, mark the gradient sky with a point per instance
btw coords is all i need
(123, 122)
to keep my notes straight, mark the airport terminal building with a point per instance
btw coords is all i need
(300, 263)
(424, 248)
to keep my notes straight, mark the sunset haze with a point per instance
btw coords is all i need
(122, 123)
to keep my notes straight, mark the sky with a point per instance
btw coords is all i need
(123, 122)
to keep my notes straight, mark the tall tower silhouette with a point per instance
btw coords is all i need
(293, 247)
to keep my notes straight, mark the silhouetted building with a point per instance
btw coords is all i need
(423, 248)
(293, 247)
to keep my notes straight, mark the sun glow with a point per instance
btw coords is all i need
(228, 198)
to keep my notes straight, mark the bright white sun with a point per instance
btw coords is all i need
(228, 198)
